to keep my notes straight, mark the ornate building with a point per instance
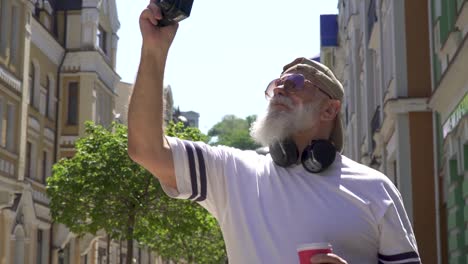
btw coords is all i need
(57, 70)
(449, 101)
(382, 56)
(402, 64)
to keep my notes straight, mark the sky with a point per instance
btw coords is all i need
(225, 54)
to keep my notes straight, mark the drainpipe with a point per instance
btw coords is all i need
(435, 137)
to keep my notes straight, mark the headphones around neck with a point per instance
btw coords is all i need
(315, 158)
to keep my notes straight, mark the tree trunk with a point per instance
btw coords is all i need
(108, 249)
(130, 226)
(129, 251)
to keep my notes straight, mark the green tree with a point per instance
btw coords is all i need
(234, 132)
(101, 188)
(198, 238)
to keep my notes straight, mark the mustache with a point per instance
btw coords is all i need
(279, 99)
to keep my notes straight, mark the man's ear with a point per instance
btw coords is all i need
(330, 110)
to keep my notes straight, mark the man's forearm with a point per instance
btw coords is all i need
(145, 114)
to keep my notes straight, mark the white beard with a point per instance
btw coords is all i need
(276, 125)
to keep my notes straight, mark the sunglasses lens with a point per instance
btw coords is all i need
(291, 83)
(296, 81)
(270, 88)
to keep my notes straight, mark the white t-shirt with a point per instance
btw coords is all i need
(266, 211)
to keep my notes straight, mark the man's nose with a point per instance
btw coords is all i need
(279, 90)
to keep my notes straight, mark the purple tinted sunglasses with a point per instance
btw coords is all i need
(292, 83)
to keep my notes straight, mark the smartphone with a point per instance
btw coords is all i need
(174, 11)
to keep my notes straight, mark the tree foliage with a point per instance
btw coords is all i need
(101, 188)
(234, 132)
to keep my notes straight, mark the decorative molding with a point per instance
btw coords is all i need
(40, 197)
(48, 7)
(374, 38)
(462, 20)
(113, 15)
(49, 134)
(68, 140)
(8, 154)
(33, 134)
(6, 198)
(34, 124)
(91, 3)
(452, 85)
(378, 138)
(31, 1)
(10, 79)
(115, 40)
(89, 15)
(46, 43)
(406, 105)
(391, 146)
(7, 167)
(91, 61)
(450, 46)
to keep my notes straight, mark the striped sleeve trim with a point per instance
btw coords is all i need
(404, 262)
(202, 169)
(411, 257)
(197, 176)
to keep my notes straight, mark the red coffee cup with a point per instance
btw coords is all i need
(307, 251)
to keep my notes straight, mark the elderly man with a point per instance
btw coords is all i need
(304, 191)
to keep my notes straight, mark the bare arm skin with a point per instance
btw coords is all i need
(146, 142)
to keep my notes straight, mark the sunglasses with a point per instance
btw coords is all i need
(292, 83)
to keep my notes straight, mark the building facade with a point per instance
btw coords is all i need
(382, 56)
(57, 70)
(449, 54)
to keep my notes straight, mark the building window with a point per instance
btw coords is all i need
(47, 96)
(14, 35)
(19, 246)
(64, 255)
(84, 259)
(34, 86)
(51, 107)
(44, 166)
(32, 80)
(40, 239)
(101, 40)
(37, 11)
(10, 127)
(72, 117)
(3, 125)
(3, 27)
(101, 256)
(27, 171)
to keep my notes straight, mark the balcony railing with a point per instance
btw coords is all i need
(371, 17)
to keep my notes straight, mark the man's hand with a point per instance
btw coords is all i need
(156, 40)
(327, 259)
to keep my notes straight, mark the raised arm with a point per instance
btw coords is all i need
(146, 142)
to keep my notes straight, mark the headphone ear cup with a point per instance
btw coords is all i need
(318, 156)
(284, 153)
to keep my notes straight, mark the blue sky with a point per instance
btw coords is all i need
(226, 52)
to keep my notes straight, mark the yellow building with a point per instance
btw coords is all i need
(57, 70)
